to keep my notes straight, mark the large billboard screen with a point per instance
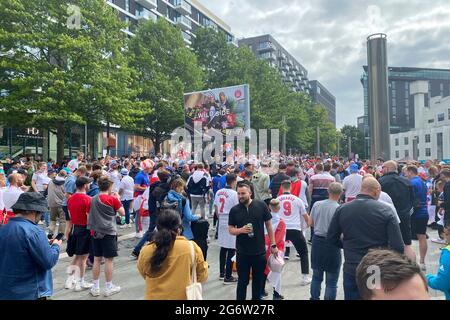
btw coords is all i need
(225, 109)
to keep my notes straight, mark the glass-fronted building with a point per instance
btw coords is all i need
(401, 103)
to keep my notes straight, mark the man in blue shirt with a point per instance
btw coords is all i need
(27, 258)
(419, 219)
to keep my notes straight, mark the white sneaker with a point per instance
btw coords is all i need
(70, 283)
(113, 290)
(129, 225)
(306, 279)
(83, 286)
(139, 235)
(124, 226)
(423, 267)
(95, 292)
(439, 241)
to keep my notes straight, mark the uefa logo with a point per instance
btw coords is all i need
(238, 94)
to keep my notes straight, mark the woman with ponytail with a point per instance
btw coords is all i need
(166, 263)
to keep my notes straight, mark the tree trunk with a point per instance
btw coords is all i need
(157, 144)
(107, 138)
(61, 137)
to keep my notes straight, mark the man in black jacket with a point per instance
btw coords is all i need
(446, 176)
(402, 194)
(365, 223)
(158, 191)
(275, 184)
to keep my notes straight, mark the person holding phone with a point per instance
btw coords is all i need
(27, 257)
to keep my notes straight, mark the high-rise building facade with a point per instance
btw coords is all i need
(189, 15)
(321, 95)
(293, 73)
(401, 103)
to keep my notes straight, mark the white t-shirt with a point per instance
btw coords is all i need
(303, 193)
(73, 164)
(115, 177)
(41, 179)
(225, 199)
(352, 185)
(292, 210)
(10, 197)
(127, 184)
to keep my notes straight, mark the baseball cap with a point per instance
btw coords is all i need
(124, 172)
(81, 181)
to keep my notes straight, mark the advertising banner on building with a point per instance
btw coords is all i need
(225, 109)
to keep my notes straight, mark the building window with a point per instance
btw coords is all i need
(441, 117)
(407, 102)
(127, 5)
(394, 93)
(397, 154)
(406, 153)
(431, 121)
(396, 142)
(449, 114)
(417, 139)
(393, 85)
(407, 111)
(406, 141)
(407, 119)
(428, 138)
(394, 111)
(394, 102)
(442, 89)
(428, 152)
(407, 86)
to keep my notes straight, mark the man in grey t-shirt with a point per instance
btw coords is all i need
(325, 257)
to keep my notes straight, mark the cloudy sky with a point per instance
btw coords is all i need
(329, 37)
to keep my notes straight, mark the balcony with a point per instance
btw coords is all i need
(182, 7)
(183, 22)
(186, 37)
(289, 62)
(266, 46)
(234, 42)
(148, 4)
(145, 15)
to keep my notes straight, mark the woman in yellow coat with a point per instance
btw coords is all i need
(166, 263)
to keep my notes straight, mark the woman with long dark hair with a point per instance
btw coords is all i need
(166, 263)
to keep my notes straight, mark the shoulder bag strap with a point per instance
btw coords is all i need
(194, 269)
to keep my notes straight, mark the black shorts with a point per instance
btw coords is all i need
(419, 225)
(66, 213)
(79, 242)
(106, 247)
(405, 228)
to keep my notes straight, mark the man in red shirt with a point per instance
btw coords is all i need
(102, 223)
(79, 241)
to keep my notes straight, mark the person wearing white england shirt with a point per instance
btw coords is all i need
(40, 179)
(224, 200)
(12, 193)
(292, 212)
(352, 183)
(126, 190)
(73, 164)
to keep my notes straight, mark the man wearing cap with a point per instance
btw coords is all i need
(352, 183)
(79, 241)
(55, 200)
(126, 188)
(69, 189)
(26, 257)
(141, 183)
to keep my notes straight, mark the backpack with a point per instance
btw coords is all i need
(166, 204)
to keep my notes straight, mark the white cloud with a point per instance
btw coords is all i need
(329, 37)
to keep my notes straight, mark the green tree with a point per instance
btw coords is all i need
(61, 64)
(167, 69)
(357, 141)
